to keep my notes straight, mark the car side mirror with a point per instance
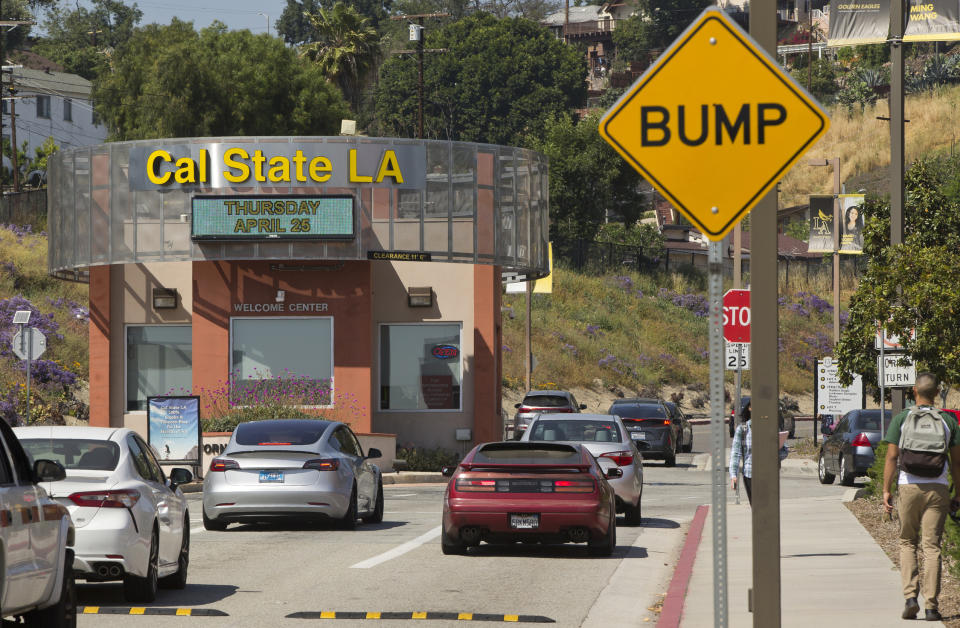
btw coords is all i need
(448, 471)
(373, 452)
(179, 476)
(48, 471)
(517, 405)
(613, 473)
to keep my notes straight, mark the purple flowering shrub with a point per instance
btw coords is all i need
(698, 304)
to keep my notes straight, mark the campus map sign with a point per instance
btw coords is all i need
(272, 217)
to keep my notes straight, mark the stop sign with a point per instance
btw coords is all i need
(736, 316)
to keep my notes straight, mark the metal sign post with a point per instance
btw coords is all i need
(883, 390)
(736, 414)
(717, 463)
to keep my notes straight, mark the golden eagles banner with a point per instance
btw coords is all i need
(821, 224)
(936, 20)
(856, 22)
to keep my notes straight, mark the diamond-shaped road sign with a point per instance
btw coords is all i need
(714, 123)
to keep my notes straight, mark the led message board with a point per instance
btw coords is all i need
(262, 217)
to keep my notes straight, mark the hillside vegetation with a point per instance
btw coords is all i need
(641, 333)
(58, 309)
(862, 142)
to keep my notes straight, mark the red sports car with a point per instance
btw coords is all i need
(531, 492)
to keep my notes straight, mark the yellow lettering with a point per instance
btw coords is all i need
(258, 160)
(157, 155)
(204, 162)
(389, 167)
(243, 170)
(251, 224)
(354, 177)
(318, 166)
(186, 171)
(299, 160)
(279, 170)
(240, 227)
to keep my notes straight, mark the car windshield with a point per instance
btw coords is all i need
(527, 453)
(638, 410)
(870, 420)
(578, 430)
(280, 433)
(74, 453)
(546, 401)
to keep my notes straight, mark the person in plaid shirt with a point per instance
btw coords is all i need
(742, 450)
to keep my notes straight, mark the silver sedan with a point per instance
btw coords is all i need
(604, 436)
(302, 468)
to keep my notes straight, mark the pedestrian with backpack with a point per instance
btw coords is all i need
(923, 447)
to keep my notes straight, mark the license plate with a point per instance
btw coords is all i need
(638, 436)
(271, 476)
(524, 522)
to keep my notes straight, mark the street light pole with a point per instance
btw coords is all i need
(267, 17)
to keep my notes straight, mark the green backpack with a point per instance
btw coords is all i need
(924, 441)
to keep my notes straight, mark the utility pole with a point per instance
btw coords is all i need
(420, 51)
(765, 389)
(896, 145)
(13, 135)
(809, 43)
(4, 25)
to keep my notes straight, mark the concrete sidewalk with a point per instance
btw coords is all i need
(832, 571)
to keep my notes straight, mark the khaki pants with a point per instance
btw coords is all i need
(923, 511)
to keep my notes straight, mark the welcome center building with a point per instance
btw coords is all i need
(373, 266)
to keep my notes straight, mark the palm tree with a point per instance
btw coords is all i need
(346, 47)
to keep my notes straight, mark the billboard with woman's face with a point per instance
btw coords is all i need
(851, 228)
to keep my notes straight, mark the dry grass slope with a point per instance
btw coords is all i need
(863, 143)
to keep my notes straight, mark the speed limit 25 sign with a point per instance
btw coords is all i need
(736, 316)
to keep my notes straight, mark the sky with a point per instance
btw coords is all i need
(236, 14)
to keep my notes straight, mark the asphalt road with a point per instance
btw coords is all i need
(260, 574)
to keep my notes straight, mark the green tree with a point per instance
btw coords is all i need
(293, 25)
(913, 285)
(345, 48)
(587, 178)
(823, 78)
(13, 38)
(170, 81)
(655, 25)
(499, 81)
(81, 40)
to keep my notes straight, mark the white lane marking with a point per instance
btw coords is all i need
(399, 550)
(197, 530)
(404, 495)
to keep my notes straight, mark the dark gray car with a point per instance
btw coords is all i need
(848, 451)
(540, 401)
(651, 427)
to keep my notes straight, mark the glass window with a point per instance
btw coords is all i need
(266, 348)
(420, 366)
(159, 360)
(546, 401)
(638, 411)
(75, 453)
(43, 106)
(348, 444)
(68, 110)
(283, 432)
(6, 473)
(576, 430)
(21, 463)
(151, 456)
(140, 461)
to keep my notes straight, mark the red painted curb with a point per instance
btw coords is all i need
(673, 603)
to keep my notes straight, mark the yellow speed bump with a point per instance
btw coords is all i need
(422, 615)
(150, 610)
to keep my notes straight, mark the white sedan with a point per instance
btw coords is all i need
(131, 520)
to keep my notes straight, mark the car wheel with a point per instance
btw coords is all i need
(689, 446)
(63, 614)
(825, 477)
(632, 513)
(451, 547)
(179, 580)
(377, 515)
(793, 430)
(846, 478)
(606, 545)
(349, 519)
(212, 524)
(137, 589)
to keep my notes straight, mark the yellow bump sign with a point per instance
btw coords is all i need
(714, 123)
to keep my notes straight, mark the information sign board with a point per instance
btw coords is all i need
(894, 374)
(833, 397)
(267, 217)
(173, 429)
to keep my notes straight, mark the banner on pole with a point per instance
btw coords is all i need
(821, 224)
(851, 223)
(933, 20)
(173, 428)
(857, 22)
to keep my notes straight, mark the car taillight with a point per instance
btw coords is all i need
(861, 440)
(322, 464)
(486, 486)
(525, 409)
(106, 499)
(621, 458)
(573, 486)
(666, 421)
(223, 464)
